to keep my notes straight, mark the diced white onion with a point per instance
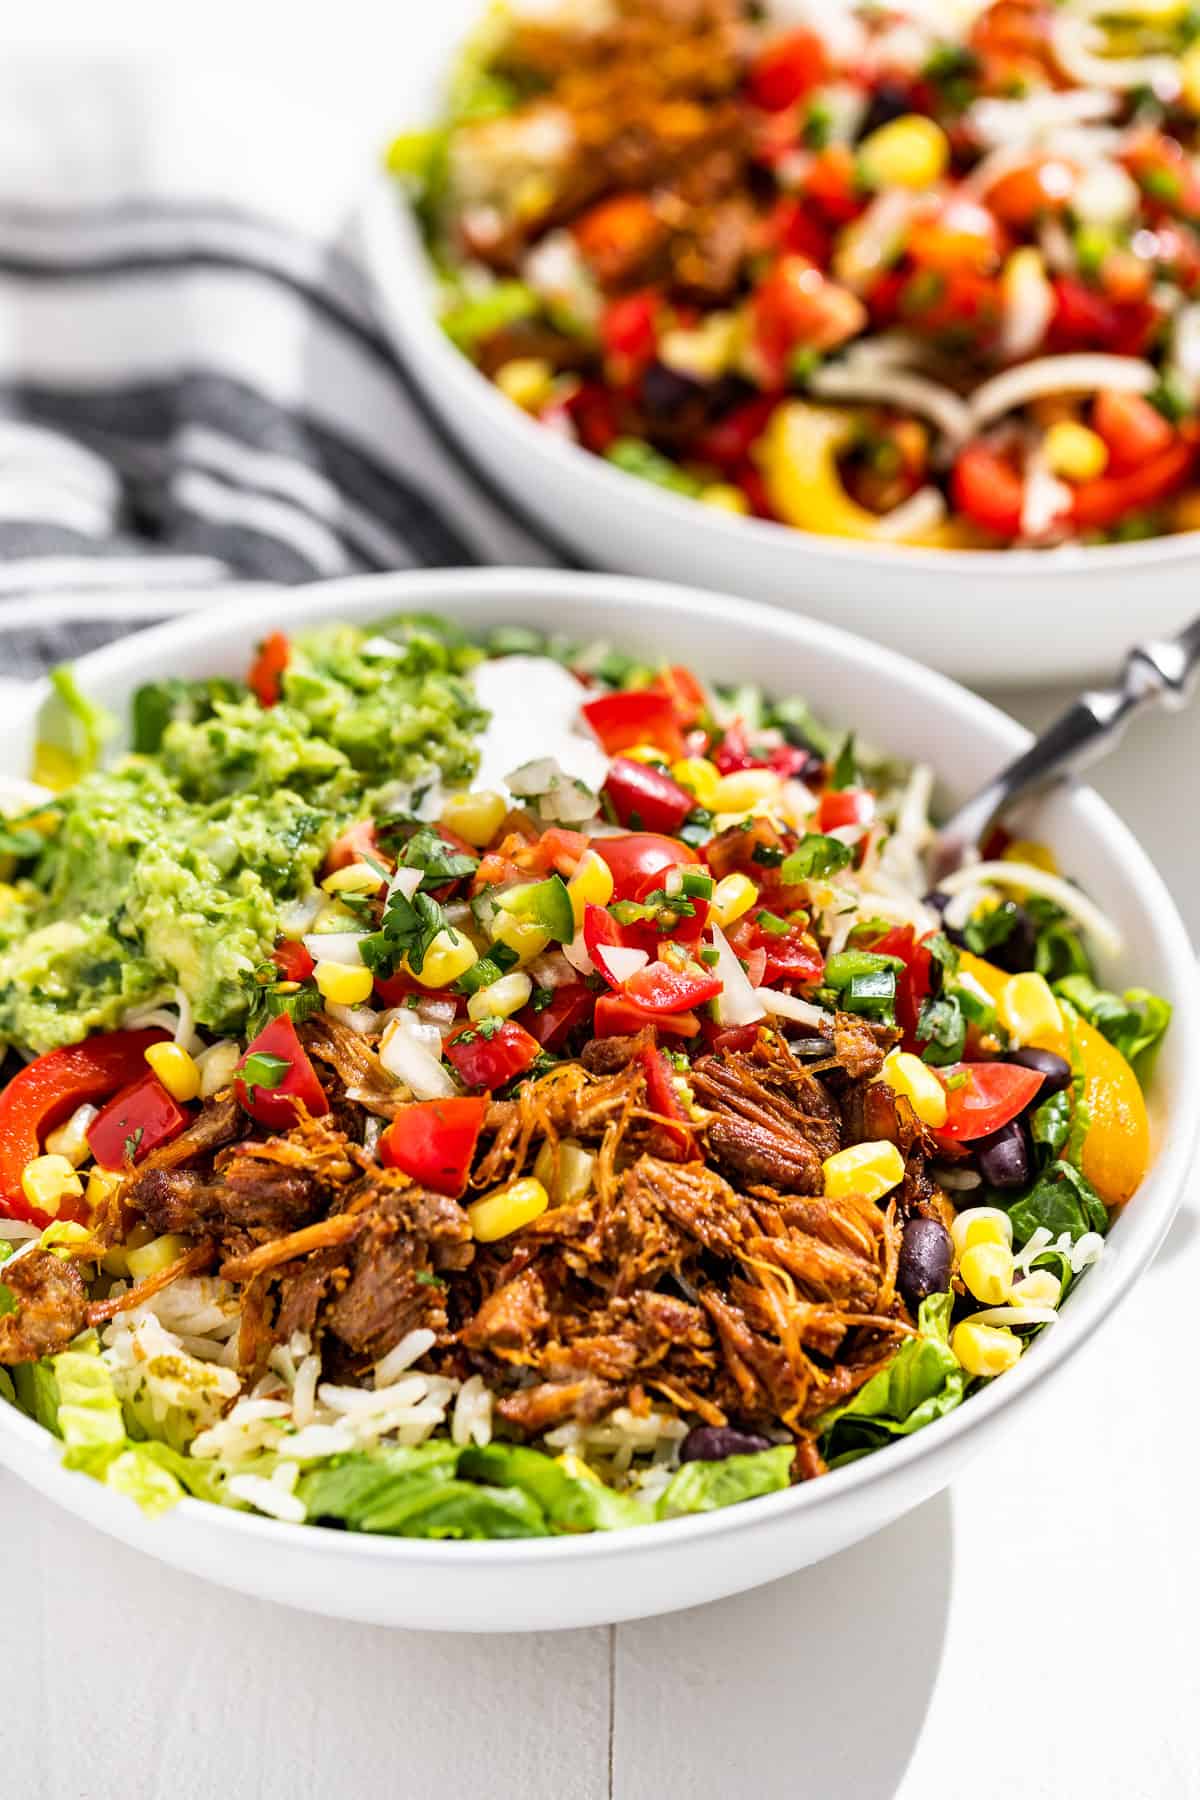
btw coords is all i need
(790, 1006)
(920, 512)
(1076, 45)
(619, 961)
(576, 954)
(1081, 372)
(1039, 881)
(738, 1003)
(1106, 194)
(361, 1020)
(866, 247)
(406, 882)
(1028, 304)
(1046, 501)
(403, 1056)
(337, 946)
(996, 121)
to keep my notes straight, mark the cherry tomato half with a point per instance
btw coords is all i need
(991, 1094)
(633, 857)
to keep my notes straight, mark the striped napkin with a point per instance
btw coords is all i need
(195, 389)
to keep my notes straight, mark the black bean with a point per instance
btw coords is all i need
(926, 1258)
(666, 391)
(1055, 1069)
(1003, 1156)
(712, 1443)
(889, 101)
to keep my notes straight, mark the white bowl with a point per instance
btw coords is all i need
(1018, 617)
(587, 1580)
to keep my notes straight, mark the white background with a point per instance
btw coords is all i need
(1031, 1632)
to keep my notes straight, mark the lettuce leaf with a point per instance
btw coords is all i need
(357, 1488)
(1062, 1199)
(923, 1382)
(569, 1502)
(700, 1487)
(1133, 1022)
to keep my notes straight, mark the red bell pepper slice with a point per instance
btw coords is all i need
(434, 1142)
(644, 798)
(266, 671)
(1110, 497)
(634, 858)
(618, 1016)
(688, 928)
(678, 1141)
(629, 331)
(601, 932)
(839, 807)
(787, 69)
(135, 1122)
(988, 489)
(277, 1105)
(915, 981)
(292, 960)
(790, 956)
(1133, 430)
(47, 1091)
(636, 717)
(659, 988)
(684, 692)
(991, 1094)
(569, 1009)
(492, 1060)
(355, 843)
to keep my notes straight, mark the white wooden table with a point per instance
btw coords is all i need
(1031, 1632)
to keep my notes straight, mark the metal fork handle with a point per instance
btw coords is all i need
(1160, 672)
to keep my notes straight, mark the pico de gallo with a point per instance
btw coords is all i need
(860, 275)
(560, 1146)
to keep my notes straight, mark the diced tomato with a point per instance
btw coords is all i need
(617, 1016)
(568, 1010)
(639, 854)
(266, 671)
(1031, 191)
(628, 332)
(395, 990)
(796, 306)
(659, 988)
(496, 870)
(839, 807)
(791, 956)
(684, 692)
(616, 236)
(959, 236)
(292, 960)
(729, 441)
(956, 300)
(678, 1141)
(732, 1038)
(135, 1122)
(786, 70)
(831, 182)
(791, 226)
(1134, 430)
(986, 487)
(640, 717)
(434, 1142)
(990, 1094)
(557, 849)
(645, 798)
(1109, 498)
(47, 1091)
(357, 841)
(733, 753)
(592, 409)
(492, 1061)
(1085, 319)
(278, 1106)
(688, 927)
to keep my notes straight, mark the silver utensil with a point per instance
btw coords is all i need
(1163, 671)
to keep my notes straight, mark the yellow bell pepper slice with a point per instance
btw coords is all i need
(1116, 1149)
(798, 455)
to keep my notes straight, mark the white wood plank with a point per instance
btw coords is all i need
(121, 1677)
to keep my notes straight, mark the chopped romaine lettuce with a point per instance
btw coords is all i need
(923, 1382)
(700, 1487)
(1132, 1022)
(570, 1502)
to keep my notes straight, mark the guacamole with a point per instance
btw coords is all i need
(171, 868)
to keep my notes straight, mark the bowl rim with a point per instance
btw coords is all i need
(395, 248)
(28, 1448)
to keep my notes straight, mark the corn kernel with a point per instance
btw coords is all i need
(526, 381)
(116, 1260)
(733, 895)
(70, 1140)
(871, 1170)
(981, 1225)
(573, 1465)
(1189, 77)
(906, 1074)
(985, 1349)
(725, 497)
(62, 1235)
(450, 955)
(1074, 452)
(159, 1254)
(737, 793)
(987, 1272)
(217, 1065)
(590, 885)
(524, 936)
(564, 1170)
(507, 1210)
(502, 998)
(1025, 850)
(355, 878)
(102, 1185)
(477, 817)
(700, 776)
(346, 984)
(645, 753)
(47, 1181)
(1027, 1009)
(175, 1069)
(1039, 1288)
(909, 152)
